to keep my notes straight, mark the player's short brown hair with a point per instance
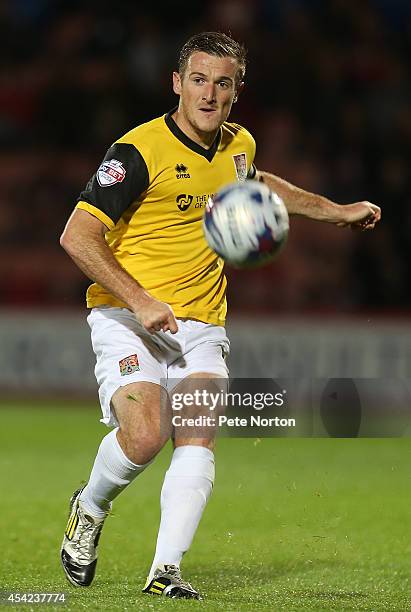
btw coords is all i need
(214, 43)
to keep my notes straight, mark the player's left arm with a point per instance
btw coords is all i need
(359, 215)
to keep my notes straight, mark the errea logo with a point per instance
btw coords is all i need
(182, 171)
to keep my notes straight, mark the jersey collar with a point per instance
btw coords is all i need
(182, 137)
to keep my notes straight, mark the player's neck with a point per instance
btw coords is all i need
(204, 139)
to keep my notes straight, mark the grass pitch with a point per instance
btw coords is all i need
(293, 524)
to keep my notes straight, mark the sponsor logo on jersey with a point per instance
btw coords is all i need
(183, 201)
(128, 365)
(202, 200)
(240, 164)
(182, 172)
(110, 173)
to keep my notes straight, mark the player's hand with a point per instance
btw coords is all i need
(155, 316)
(360, 216)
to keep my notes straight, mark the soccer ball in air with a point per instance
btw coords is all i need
(246, 224)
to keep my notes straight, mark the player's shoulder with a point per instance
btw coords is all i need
(145, 141)
(237, 132)
(145, 133)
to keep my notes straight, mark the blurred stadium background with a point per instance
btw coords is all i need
(328, 100)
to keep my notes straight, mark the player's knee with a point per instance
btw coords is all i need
(143, 426)
(140, 447)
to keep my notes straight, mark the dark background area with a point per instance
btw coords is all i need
(327, 98)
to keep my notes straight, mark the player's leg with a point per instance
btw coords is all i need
(127, 450)
(189, 480)
(186, 489)
(187, 486)
(123, 454)
(124, 355)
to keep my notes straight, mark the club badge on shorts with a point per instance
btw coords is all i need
(240, 163)
(128, 365)
(110, 172)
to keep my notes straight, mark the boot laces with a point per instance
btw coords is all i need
(83, 544)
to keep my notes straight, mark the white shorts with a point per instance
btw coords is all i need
(127, 353)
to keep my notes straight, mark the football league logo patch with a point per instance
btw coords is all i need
(110, 172)
(240, 164)
(128, 365)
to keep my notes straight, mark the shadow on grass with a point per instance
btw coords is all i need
(235, 581)
(237, 573)
(269, 579)
(316, 594)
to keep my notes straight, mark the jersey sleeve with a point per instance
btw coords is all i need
(120, 180)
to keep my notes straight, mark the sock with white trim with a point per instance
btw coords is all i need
(112, 472)
(187, 486)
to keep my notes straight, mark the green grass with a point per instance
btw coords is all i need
(293, 524)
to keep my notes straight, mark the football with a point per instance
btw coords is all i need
(246, 224)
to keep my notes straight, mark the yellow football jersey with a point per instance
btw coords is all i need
(151, 191)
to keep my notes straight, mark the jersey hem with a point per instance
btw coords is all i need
(179, 313)
(96, 212)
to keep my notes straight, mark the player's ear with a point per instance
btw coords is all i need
(176, 83)
(238, 91)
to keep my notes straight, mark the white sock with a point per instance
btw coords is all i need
(187, 486)
(112, 472)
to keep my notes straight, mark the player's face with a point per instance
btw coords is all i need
(207, 90)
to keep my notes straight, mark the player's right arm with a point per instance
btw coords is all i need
(84, 240)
